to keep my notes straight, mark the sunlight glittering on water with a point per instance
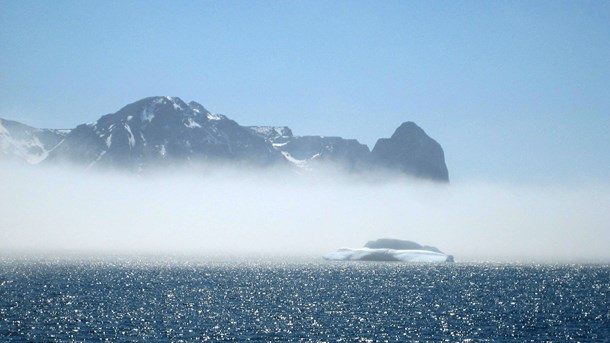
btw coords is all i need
(132, 300)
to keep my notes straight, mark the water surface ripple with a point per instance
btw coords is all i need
(131, 300)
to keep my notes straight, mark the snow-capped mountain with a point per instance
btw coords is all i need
(163, 130)
(19, 142)
(166, 131)
(307, 151)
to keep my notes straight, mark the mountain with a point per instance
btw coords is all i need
(19, 142)
(411, 151)
(166, 131)
(307, 151)
(163, 130)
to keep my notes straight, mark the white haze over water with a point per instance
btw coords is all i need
(51, 210)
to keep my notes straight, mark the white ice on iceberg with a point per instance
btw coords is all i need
(367, 254)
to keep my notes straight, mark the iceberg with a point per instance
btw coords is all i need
(390, 250)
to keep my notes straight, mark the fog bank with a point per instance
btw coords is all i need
(270, 212)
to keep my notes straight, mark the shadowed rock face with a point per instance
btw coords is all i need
(411, 151)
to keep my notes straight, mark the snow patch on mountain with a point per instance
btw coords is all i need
(191, 124)
(298, 163)
(25, 143)
(176, 102)
(148, 113)
(215, 116)
(130, 137)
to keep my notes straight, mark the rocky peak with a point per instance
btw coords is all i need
(163, 129)
(272, 133)
(198, 108)
(411, 151)
(408, 130)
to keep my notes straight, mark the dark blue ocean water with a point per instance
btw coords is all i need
(134, 300)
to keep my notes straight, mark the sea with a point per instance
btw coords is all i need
(136, 299)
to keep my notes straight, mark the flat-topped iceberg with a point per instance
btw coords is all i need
(390, 250)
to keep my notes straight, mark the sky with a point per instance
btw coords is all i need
(516, 92)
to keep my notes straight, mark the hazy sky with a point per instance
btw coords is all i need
(515, 91)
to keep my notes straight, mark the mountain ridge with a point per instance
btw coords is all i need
(163, 130)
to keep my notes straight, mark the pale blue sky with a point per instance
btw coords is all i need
(515, 91)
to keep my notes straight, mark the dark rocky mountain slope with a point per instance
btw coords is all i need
(413, 152)
(166, 131)
(163, 130)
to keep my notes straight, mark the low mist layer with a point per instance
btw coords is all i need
(269, 212)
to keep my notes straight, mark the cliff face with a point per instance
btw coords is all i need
(411, 151)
